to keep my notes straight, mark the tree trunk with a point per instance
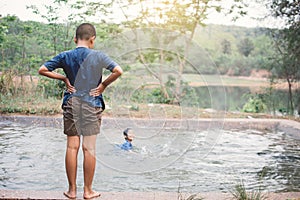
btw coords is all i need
(182, 62)
(290, 108)
(158, 77)
(3, 60)
(54, 39)
(298, 102)
(23, 60)
(181, 65)
(161, 82)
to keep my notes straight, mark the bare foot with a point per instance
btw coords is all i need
(70, 195)
(90, 195)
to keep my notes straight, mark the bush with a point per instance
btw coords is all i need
(223, 63)
(7, 83)
(157, 96)
(240, 193)
(255, 105)
(51, 88)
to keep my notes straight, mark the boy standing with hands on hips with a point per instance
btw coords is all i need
(82, 103)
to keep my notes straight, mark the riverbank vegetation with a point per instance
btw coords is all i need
(240, 70)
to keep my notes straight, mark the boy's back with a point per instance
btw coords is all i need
(83, 67)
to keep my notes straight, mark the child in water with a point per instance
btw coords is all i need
(128, 136)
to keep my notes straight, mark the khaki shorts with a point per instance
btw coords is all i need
(80, 118)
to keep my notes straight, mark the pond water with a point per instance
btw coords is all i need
(32, 158)
(237, 97)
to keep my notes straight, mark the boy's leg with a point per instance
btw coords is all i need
(89, 164)
(73, 144)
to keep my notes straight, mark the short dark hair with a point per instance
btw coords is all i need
(85, 31)
(125, 132)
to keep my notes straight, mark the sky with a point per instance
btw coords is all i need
(18, 8)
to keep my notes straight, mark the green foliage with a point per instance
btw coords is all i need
(245, 47)
(38, 46)
(51, 88)
(287, 63)
(157, 96)
(289, 10)
(3, 31)
(126, 68)
(180, 16)
(7, 86)
(134, 108)
(224, 63)
(26, 45)
(29, 104)
(226, 46)
(255, 104)
(60, 36)
(235, 65)
(105, 31)
(147, 95)
(287, 44)
(189, 96)
(4, 27)
(212, 38)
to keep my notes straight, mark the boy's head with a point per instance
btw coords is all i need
(128, 134)
(86, 33)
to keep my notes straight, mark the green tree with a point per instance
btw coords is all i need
(286, 65)
(61, 29)
(287, 43)
(18, 47)
(5, 24)
(58, 32)
(245, 47)
(226, 46)
(3, 31)
(52, 18)
(180, 16)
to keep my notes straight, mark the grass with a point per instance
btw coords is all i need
(29, 104)
(240, 193)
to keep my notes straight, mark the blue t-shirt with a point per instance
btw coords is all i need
(126, 146)
(83, 67)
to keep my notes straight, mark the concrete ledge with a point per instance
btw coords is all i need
(12, 194)
(189, 124)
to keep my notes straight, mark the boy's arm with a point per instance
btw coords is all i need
(116, 72)
(45, 72)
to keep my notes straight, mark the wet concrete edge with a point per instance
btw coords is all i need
(289, 126)
(12, 194)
